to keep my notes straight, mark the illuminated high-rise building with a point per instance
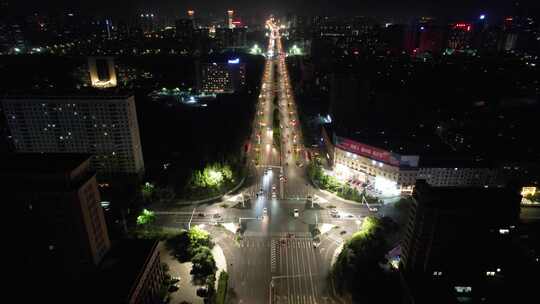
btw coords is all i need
(226, 77)
(230, 16)
(147, 23)
(191, 16)
(103, 125)
(460, 36)
(102, 72)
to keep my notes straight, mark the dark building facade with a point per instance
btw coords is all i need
(131, 274)
(59, 209)
(458, 245)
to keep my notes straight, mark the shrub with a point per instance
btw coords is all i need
(222, 288)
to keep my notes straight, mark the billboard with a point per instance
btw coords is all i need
(374, 153)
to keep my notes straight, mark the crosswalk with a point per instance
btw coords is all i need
(297, 275)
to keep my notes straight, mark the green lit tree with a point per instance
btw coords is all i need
(199, 238)
(146, 217)
(147, 191)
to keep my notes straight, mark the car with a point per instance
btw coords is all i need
(265, 211)
(350, 215)
(373, 209)
(216, 215)
(175, 280)
(202, 292)
(200, 214)
(274, 187)
(296, 213)
(274, 194)
(174, 287)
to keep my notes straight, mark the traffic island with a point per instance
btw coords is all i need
(243, 205)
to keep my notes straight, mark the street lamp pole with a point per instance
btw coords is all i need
(191, 218)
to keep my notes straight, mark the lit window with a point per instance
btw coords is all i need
(463, 289)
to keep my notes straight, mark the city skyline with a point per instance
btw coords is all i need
(458, 9)
(182, 156)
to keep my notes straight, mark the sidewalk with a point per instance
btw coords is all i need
(221, 262)
(187, 291)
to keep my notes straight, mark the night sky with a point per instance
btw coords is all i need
(174, 8)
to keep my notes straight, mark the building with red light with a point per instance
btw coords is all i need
(393, 164)
(460, 36)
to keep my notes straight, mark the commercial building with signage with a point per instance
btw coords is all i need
(390, 173)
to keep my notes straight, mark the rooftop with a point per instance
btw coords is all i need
(27, 163)
(488, 204)
(403, 142)
(84, 93)
(432, 150)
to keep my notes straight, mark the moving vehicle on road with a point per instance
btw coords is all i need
(296, 213)
(265, 211)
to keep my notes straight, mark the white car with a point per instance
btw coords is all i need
(265, 211)
(296, 213)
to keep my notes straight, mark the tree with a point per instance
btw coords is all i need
(198, 238)
(180, 245)
(203, 263)
(358, 262)
(146, 217)
(147, 191)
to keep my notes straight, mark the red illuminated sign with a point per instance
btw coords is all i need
(367, 151)
(463, 26)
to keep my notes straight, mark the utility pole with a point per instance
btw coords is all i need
(192, 213)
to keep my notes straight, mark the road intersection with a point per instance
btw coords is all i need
(275, 259)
